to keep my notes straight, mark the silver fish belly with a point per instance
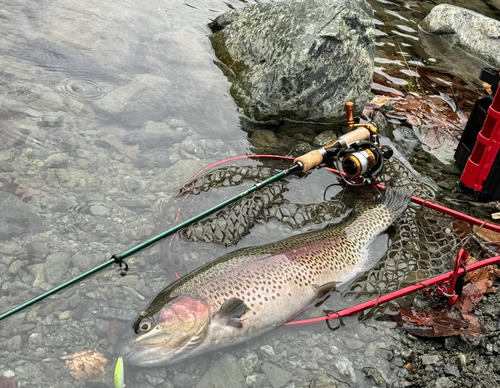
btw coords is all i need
(252, 290)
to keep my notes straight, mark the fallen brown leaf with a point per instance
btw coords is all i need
(130, 151)
(438, 322)
(6, 383)
(486, 234)
(441, 322)
(86, 365)
(488, 88)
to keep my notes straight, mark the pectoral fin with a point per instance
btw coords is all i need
(230, 312)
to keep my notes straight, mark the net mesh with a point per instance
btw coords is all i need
(423, 242)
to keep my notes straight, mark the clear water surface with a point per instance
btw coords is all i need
(106, 109)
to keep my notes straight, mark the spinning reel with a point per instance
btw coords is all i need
(362, 162)
(358, 154)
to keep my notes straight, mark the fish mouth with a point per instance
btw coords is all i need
(145, 357)
(145, 353)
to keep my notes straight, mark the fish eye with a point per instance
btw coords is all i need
(145, 326)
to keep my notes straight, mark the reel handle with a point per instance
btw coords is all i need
(314, 158)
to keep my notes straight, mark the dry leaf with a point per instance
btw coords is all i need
(369, 111)
(130, 151)
(380, 100)
(434, 323)
(86, 365)
(486, 234)
(488, 88)
(25, 192)
(6, 383)
(434, 139)
(444, 323)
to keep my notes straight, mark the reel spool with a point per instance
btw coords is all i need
(363, 160)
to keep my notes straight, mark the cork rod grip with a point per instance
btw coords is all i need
(310, 160)
(352, 137)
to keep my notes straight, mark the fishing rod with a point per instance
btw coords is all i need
(362, 162)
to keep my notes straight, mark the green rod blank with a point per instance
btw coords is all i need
(155, 239)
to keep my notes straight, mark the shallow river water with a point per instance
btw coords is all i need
(106, 109)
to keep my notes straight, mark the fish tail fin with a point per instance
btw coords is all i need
(396, 200)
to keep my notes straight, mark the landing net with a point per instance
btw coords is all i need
(423, 243)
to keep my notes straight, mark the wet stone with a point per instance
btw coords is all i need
(311, 343)
(345, 367)
(265, 139)
(276, 376)
(451, 370)
(257, 380)
(443, 382)
(323, 380)
(56, 266)
(65, 315)
(429, 360)
(129, 280)
(14, 267)
(38, 271)
(268, 350)
(182, 380)
(317, 354)
(248, 362)
(40, 352)
(353, 343)
(156, 376)
(15, 343)
(375, 375)
(324, 138)
(99, 210)
(115, 313)
(14, 287)
(85, 261)
(224, 373)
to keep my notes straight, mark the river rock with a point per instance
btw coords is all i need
(17, 219)
(224, 373)
(462, 29)
(276, 376)
(323, 380)
(56, 266)
(299, 60)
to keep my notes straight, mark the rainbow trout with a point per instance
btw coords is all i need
(252, 290)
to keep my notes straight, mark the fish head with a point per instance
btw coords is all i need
(166, 337)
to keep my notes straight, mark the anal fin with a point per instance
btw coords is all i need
(323, 289)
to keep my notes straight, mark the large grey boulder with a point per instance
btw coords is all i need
(466, 30)
(298, 60)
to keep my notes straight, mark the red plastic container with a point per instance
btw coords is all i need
(481, 175)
